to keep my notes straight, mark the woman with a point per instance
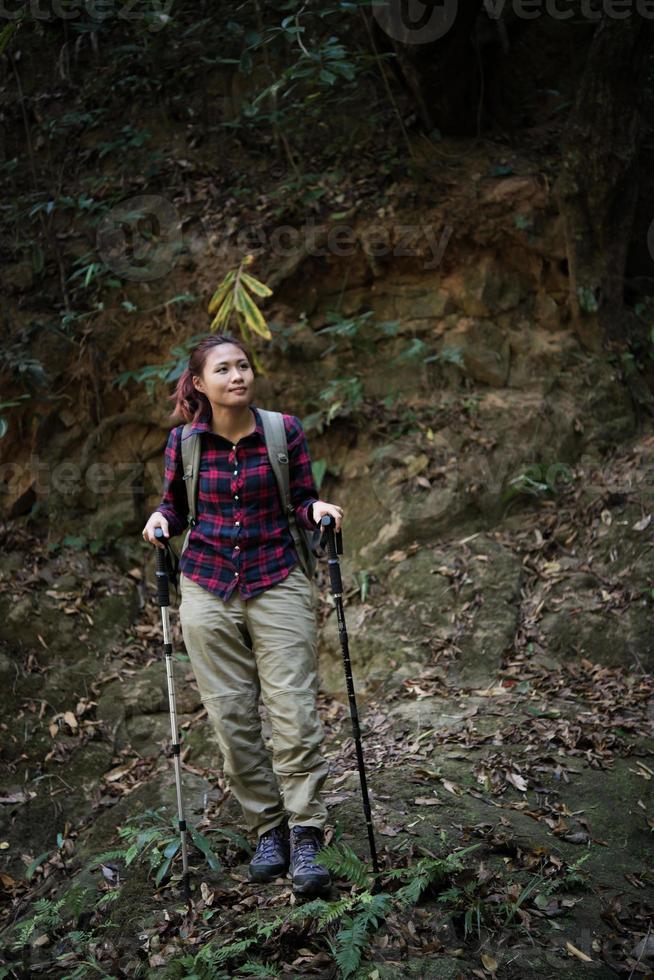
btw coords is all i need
(247, 612)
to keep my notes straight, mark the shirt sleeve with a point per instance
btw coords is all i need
(302, 484)
(174, 503)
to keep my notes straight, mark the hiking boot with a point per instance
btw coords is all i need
(272, 854)
(308, 877)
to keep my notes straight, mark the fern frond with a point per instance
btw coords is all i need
(96, 861)
(266, 930)
(316, 907)
(349, 944)
(337, 910)
(343, 862)
(375, 907)
(262, 970)
(224, 953)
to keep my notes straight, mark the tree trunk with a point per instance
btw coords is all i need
(436, 59)
(597, 189)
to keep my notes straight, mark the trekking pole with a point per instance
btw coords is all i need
(163, 599)
(334, 545)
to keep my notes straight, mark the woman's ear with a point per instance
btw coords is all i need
(198, 384)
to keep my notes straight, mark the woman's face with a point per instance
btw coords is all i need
(227, 378)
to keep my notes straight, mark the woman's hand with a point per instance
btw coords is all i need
(321, 508)
(156, 520)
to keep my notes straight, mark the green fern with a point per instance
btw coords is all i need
(265, 930)
(223, 954)
(353, 937)
(46, 916)
(262, 970)
(343, 862)
(427, 872)
(347, 949)
(336, 911)
(118, 854)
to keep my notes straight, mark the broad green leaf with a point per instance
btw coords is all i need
(253, 315)
(258, 288)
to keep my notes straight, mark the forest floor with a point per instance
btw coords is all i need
(513, 820)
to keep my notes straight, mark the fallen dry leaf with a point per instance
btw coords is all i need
(490, 963)
(573, 951)
(453, 788)
(517, 780)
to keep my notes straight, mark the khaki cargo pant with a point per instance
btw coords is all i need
(239, 650)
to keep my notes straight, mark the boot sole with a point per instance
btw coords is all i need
(261, 876)
(307, 889)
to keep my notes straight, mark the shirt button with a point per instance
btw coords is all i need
(235, 574)
(235, 496)
(236, 548)
(235, 472)
(234, 448)
(237, 523)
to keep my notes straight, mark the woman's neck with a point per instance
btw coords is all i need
(233, 424)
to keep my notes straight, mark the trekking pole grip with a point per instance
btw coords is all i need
(331, 540)
(163, 595)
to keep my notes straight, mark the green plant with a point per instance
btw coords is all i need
(428, 873)
(539, 479)
(418, 350)
(352, 330)
(168, 371)
(353, 936)
(235, 296)
(571, 878)
(150, 837)
(263, 970)
(46, 915)
(343, 396)
(4, 424)
(130, 138)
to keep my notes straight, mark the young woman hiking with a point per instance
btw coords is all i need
(247, 612)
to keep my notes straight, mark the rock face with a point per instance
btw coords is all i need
(460, 602)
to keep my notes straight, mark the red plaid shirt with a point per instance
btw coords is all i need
(241, 539)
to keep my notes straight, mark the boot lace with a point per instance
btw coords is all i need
(269, 843)
(306, 846)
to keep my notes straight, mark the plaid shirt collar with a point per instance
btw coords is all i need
(204, 425)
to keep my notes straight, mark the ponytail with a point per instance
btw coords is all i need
(190, 404)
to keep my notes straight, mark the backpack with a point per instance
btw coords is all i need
(306, 542)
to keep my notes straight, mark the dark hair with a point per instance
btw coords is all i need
(190, 404)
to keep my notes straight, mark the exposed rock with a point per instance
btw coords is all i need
(484, 349)
(485, 288)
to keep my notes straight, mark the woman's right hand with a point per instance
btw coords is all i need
(156, 520)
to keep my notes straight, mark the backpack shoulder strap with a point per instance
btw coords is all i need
(277, 447)
(191, 465)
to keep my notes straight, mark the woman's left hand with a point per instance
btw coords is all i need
(321, 508)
